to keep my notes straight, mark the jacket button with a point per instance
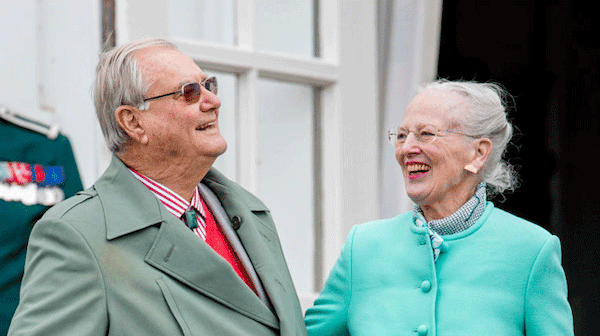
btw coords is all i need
(426, 286)
(422, 330)
(236, 222)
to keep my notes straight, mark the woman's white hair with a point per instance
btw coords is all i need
(120, 81)
(486, 117)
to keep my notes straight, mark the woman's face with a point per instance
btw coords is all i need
(434, 173)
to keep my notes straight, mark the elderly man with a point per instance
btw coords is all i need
(161, 244)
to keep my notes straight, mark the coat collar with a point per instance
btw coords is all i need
(127, 204)
(221, 185)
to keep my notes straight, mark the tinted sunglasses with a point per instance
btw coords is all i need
(191, 91)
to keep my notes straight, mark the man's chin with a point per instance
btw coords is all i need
(216, 152)
(223, 149)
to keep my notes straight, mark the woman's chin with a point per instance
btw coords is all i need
(416, 197)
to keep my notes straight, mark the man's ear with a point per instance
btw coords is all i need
(483, 148)
(129, 119)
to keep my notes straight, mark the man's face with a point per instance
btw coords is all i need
(179, 130)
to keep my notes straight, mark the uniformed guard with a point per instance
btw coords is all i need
(37, 170)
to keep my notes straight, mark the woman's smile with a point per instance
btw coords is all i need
(415, 170)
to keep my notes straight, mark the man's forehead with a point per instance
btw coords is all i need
(166, 63)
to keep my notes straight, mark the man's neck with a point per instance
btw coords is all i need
(181, 175)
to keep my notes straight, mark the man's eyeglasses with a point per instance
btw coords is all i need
(191, 91)
(426, 134)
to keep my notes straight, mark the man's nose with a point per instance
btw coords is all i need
(209, 101)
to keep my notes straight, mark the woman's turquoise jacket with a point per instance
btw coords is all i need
(502, 276)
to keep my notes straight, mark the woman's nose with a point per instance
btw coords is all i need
(411, 139)
(409, 145)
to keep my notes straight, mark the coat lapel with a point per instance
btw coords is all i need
(178, 252)
(129, 206)
(259, 238)
(227, 228)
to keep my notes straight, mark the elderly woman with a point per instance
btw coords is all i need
(456, 264)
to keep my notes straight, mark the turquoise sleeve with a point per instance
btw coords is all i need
(547, 311)
(329, 314)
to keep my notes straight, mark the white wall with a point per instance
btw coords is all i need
(411, 42)
(48, 52)
(360, 111)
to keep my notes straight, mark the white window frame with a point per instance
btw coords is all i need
(347, 108)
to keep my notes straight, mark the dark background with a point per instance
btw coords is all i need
(546, 54)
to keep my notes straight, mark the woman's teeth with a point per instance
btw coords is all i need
(417, 167)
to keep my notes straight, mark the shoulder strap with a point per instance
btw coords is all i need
(50, 131)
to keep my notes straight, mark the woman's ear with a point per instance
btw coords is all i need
(129, 119)
(483, 148)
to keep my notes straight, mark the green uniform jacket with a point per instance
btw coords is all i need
(16, 218)
(113, 261)
(502, 276)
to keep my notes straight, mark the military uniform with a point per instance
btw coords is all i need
(35, 173)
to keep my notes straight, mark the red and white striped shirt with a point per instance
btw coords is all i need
(217, 240)
(176, 204)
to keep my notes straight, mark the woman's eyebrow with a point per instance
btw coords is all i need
(417, 126)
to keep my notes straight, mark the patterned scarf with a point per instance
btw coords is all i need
(462, 219)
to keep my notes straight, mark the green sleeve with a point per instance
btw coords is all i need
(62, 289)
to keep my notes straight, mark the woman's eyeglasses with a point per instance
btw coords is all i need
(191, 91)
(426, 134)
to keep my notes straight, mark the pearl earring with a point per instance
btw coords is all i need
(471, 168)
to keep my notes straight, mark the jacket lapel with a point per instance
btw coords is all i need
(227, 228)
(178, 252)
(129, 206)
(258, 236)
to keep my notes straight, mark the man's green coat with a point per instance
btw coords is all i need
(113, 261)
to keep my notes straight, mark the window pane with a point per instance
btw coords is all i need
(285, 132)
(286, 26)
(205, 20)
(226, 163)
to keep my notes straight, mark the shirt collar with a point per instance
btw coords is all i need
(174, 203)
(462, 219)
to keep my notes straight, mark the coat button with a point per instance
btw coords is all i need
(426, 286)
(422, 330)
(236, 222)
